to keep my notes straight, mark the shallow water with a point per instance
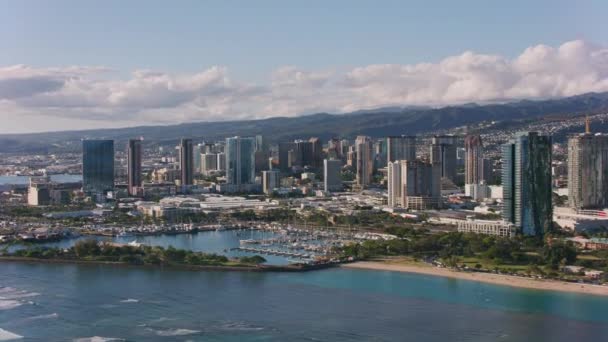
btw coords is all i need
(75, 302)
(219, 242)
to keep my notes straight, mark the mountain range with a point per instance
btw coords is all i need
(375, 123)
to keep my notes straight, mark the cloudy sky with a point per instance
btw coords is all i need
(75, 64)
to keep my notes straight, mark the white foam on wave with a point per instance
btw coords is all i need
(7, 289)
(49, 316)
(9, 304)
(8, 336)
(130, 300)
(162, 319)
(98, 339)
(19, 294)
(239, 326)
(175, 332)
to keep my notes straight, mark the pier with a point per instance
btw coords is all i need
(269, 251)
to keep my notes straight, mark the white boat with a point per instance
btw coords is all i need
(134, 243)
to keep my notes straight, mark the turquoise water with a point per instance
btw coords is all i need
(219, 242)
(71, 302)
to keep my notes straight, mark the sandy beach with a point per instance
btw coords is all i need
(499, 279)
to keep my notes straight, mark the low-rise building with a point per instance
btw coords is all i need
(580, 220)
(592, 243)
(487, 227)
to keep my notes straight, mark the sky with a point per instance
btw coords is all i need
(92, 64)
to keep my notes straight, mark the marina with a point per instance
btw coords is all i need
(279, 244)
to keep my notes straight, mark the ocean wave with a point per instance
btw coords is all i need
(175, 332)
(5, 289)
(9, 304)
(19, 294)
(49, 316)
(239, 326)
(8, 336)
(162, 319)
(108, 306)
(98, 339)
(130, 300)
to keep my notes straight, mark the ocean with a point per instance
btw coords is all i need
(57, 302)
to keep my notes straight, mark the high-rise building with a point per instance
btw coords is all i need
(401, 148)
(414, 184)
(526, 181)
(134, 174)
(317, 152)
(197, 152)
(351, 156)
(240, 160)
(345, 145)
(365, 160)
(221, 161)
(588, 170)
(209, 147)
(332, 180)
(394, 184)
(476, 168)
(443, 150)
(259, 143)
(39, 191)
(208, 163)
(380, 153)
(284, 160)
(304, 153)
(270, 180)
(334, 149)
(43, 191)
(473, 160)
(261, 161)
(97, 167)
(186, 162)
(300, 153)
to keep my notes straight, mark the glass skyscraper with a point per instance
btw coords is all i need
(443, 150)
(240, 161)
(97, 166)
(186, 161)
(526, 181)
(134, 177)
(401, 148)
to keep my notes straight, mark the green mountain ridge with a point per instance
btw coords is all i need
(417, 120)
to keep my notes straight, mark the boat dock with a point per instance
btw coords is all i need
(269, 251)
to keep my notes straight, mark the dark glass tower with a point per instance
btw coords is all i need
(240, 161)
(526, 178)
(134, 152)
(97, 166)
(186, 161)
(284, 149)
(401, 148)
(443, 150)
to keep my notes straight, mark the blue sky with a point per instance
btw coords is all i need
(254, 37)
(258, 46)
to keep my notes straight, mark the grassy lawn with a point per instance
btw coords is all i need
(587, 257)
(490, 265)
(402, 260)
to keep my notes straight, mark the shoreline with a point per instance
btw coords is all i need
(488, 278)
(224, 268)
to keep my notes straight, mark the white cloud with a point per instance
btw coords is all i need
(90, 94)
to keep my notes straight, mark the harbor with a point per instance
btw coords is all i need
(280, 244)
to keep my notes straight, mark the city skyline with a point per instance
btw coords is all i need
(397, 170)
